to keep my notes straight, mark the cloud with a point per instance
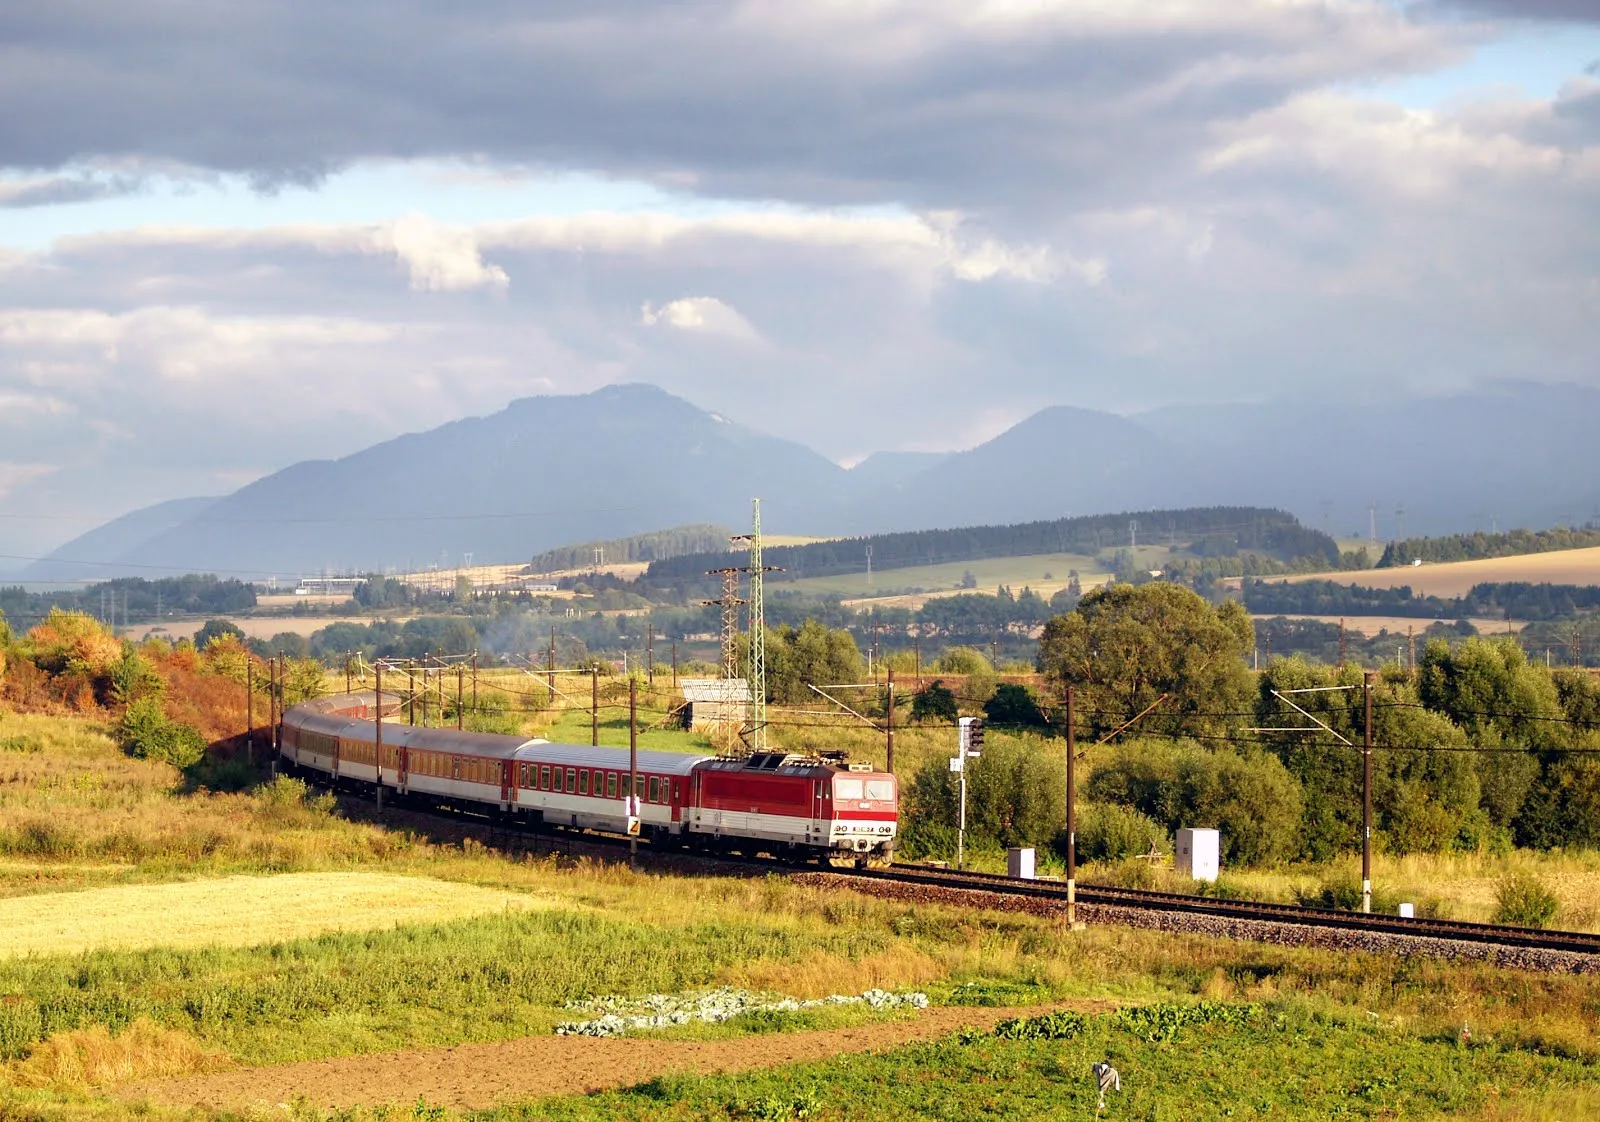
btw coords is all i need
(56, 189)
(699, 314)
(13, 475)
(441, 258)
(930, 103)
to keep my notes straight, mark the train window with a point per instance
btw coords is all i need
(572, 781)
(655, 789)
(674, 790)
(522, 775)
(847, 789)
(611, 784)
(880, 789)
(544, 776)
(583, 782)
(559, 786)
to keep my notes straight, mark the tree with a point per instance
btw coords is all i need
(1012, 705)
(935, 702)
(814, 653)
(215, 629)
(1124, 646)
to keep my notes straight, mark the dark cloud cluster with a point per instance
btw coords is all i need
(935, 103)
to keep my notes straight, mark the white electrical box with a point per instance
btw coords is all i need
(1407, 911)
(1199, 853)
(1019, 864)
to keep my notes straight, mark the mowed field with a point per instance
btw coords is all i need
(1456, 578)
(236, 911)
(1045, 573)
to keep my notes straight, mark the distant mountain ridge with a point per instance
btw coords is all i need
(546, 472)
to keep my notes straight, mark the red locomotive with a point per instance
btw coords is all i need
(761, 802)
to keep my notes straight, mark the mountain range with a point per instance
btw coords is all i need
(549, 471)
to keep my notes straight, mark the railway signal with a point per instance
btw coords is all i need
(969, 745)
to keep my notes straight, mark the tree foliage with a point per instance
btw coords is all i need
(1123, 647)
(1012, 704)
(935, 702)
(146, 732)
(1252, 800)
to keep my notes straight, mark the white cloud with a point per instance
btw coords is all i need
(441, 258)
(13, 474)
(700, 314)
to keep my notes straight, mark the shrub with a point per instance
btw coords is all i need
(1522, 900)
(147, 733)
(1108, 832)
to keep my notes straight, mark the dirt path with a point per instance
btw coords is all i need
(480, 1075)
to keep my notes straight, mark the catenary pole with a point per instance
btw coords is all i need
(377, 726)
(633, 763)
(888, 724)
(594, 706)
(1072, 816)
(249, 709)
(1366, 793)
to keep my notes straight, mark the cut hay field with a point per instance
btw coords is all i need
(237, 911)
(1456, 578)
(1369, 626)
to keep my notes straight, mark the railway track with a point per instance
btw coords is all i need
(1481, 933)
(1055, 893)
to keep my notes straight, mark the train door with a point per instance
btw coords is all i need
(505, 783)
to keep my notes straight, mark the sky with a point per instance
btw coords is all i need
(237, 236)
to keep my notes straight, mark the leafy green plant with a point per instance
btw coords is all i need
(1523, 900)
(1161, 1022)
(147, 733)
(1060, 1025)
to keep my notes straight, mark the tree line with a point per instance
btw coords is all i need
(1523, 600)
(1478, 546)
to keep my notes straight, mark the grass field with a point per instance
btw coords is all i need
(1399, 625)
(1358, 1035)
(1012, 571)
(1456, 578)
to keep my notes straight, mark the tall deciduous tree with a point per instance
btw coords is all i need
(1123, 647)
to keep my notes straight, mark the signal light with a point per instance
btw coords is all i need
(975, 737)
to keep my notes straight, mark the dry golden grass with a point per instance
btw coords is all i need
(1399, 625)
(92, 1057)
(1558, 1104)
(1456, 578)
(236, 911)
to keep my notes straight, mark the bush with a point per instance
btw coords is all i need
(1522, 900)
(1252, 800)
(1108, 832)
(1014, 797)
(147, 733)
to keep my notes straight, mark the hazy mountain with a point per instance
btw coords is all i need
(96, 554)
(891, 470)
(543, 472)
(1061, 461)
(550, 471)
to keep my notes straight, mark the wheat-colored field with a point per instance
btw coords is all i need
(1456, 578)
(237, 911)
(1400, 625)
(1045, 573)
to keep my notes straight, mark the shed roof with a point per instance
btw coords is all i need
(716, 689)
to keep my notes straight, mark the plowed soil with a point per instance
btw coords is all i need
(473, 1076)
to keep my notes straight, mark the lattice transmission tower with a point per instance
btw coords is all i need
(729, 603)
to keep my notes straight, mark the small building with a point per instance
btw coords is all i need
(714, 703)
(1199, 853)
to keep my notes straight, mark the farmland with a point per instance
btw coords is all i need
(1456, 578)
(174, 945)
(1045, 573)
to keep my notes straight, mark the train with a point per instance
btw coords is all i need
(792, 804)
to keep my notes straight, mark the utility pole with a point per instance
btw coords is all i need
(674, 664)
(1072, 819)
(633, 770)
(347, 684)
(650, 654)
(461, 674)
(551, 665)
(594, 706)
(1366, 793)
(1411, 638)
(377, 735)
(888, 724)
(411, 693)
(1341, 641)
(249, 709)
(474, 681)
(426, 665)
(272, 693)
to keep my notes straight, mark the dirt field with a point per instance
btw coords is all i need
(474, 1076)
(1565, 566)
(236, 911)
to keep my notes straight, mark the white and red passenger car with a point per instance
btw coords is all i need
(764, 801)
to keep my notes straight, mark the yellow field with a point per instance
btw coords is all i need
(236, 911)
(1397, 625)
(1456, 578)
